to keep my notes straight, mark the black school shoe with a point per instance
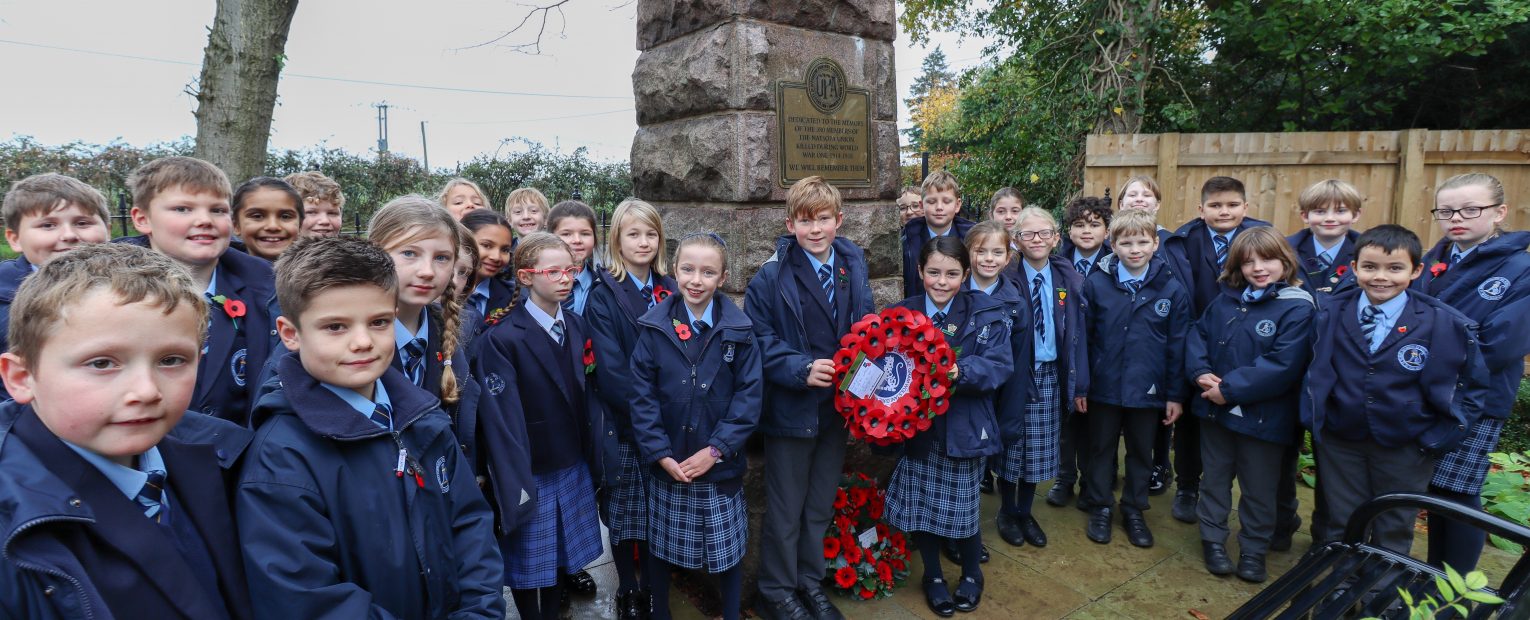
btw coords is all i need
(1032, 531)
(1183, 509)
(939, 598)
(1215, 555)
(1099, 525)
(580, 583)
(1251, 568)
(818, 604)
(1009, 530)
(1158, 481)
(1136, 527)
(1060, 494)
(789, 608)
(634, 605)
(969, 592)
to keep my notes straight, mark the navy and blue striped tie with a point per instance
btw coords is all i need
(826, 280)
(383, 415)
(1455, 257)
(1135, 286)
(557, 332)
(647, 293)
(414, 361)
(1037, 318)
(1219, 241)
(1368, 322)
(937, 319)
(1324, 262)
(151, 496)
(1082, 266)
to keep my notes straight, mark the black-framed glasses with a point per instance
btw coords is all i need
(1027, 235)
(1467, 213)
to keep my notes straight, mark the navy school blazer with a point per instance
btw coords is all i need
(1429, 407)
(1068, 324)
(1011, 398)
(223, 370)
(1491, 286)
(612, 313)
(329, 527)
(684, 401)
(1321, 282)
(1260, 350)
(1189, 252)
(1136, 343)
(517, 372)
(63, 516)
(970, 428)
(915, 233)
(774, 308)
(12, 272)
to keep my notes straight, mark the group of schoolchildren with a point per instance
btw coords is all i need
(405, 423)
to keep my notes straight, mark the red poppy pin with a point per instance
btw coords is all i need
(1402, 329)
(660, 293)
(682, 330)
(844, 277)
(1343, 269)
(1438, 268)
(232, 307)
(589, 357)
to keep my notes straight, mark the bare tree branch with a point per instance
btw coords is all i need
(536, 17)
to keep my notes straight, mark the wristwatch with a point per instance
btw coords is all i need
(716, 454)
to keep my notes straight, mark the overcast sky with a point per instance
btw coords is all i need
(106, 70)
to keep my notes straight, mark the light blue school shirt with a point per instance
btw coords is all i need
(1046, 350)
(581, 289)
(480, 297)
(988, 290)
(1464, 253)
(818, 264)
(401, 337)
(1093, 259)
(930, 309)
(545, 320)
(361, 404)
(1253, 294)
(1390, 310)
(129, 481)
(1332, 253)
(706, 315)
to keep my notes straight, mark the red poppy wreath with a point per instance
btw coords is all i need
(893, 376)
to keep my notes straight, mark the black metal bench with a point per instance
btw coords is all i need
(1355, 579)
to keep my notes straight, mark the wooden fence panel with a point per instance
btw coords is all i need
(1396, 171)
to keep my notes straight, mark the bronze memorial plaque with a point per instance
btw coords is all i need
(824, 128)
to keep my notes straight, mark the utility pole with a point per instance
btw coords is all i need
(424, 147)
(382, 128)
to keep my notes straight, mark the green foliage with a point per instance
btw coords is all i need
(1516, 432)
(1506, 493)
(1455, 592)
(368, 181)
(934, 75)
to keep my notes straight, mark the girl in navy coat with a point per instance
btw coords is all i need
(933, 492)
(1483, 272)
(492, 237)
(574, 223)
(535, 364)
(632, 283)
(696, 399)
(989, 251)
(1138, 316)
(1247, 355)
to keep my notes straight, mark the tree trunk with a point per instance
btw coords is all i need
(1122, 65)
(236, 92)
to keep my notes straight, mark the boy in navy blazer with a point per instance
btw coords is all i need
(1196, 253)
(106, 515)
(355, 499)
(181, 207)
(1396, 378)
(801, 301)
(942, 199)
(45, 215)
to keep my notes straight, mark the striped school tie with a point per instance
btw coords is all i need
(151, 495)
(414, 360)
(826, 280)
(938, 318)
(557, 332)
(1220, 242)
(1037, 318)
(647, 294)
(1324, 261)
(1082, 266)
(1135, 286)
(1249, 297)
(699, 326)
(1455, 257)
(382, 415)
(1368, 321)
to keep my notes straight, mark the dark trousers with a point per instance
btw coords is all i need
(1073, 448)
(1456, 544)
(1162, 442)
(1187, 452)
(1355, 472)
(1287, 508)
(801, 476)
(1252, 462)
(1107, 425)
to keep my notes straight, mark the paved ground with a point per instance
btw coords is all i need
(1072, 577)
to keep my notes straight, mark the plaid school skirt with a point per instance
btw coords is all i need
(626, 509)
(936, 494)
(1466, 467)
(1034, 457)
(563, 534)
(696, 526)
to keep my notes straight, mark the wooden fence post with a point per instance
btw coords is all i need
(1408, 198)
(1168, 168)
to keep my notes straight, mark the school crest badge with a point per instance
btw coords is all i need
(1265, 328)
(443, 477)
(1413, 356)
(494, 383)
(1494, 288)
(236, 366)
(728, 353)
(1161, 307)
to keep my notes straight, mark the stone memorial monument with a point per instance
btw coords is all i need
(737, 99)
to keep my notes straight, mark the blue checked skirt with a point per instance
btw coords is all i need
(936, 494)
(1034, 458)
(563, 534)
(626, 509)
(1465, 468)
(696, 526)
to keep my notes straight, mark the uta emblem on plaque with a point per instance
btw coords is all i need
(826, 86)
